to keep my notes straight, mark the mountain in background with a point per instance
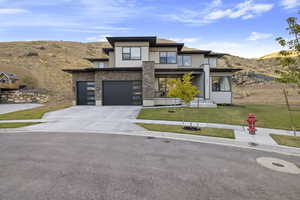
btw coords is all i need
(277, 55)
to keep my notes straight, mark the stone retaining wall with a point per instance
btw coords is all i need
(18, 96)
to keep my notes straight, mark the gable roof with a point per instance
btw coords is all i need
(9, 75)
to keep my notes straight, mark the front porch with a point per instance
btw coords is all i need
(214, 87)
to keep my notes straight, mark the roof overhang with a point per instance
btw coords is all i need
(218, 55)
(232, 70)
(103, 69)
(179, 46)
(97, 59)
(107, 50)
(205, 52)
(150, 39)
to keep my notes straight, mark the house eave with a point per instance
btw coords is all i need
(103, 69)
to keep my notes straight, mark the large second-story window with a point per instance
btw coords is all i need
(131, 53)
(168, 57)
(184, 61)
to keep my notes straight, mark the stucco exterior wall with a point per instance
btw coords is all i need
(111, 62)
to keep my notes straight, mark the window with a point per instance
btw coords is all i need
(163, 84)
(221, 84)
(131, 53)
(100, 65)
(184, 60)
(167, 57)
(211, 61)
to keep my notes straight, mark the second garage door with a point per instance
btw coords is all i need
(122, 93)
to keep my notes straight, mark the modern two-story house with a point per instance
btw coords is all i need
(136, 71)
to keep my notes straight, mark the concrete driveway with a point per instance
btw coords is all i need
(7, 108)
(73, 166)
(90, 118)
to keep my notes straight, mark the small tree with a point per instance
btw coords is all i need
(183, 89)
(290, 61)
(290, 73)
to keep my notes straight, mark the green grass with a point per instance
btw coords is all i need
(212, 132)
(17, 125)
(35, 113)
(268, 116)
(286, 140)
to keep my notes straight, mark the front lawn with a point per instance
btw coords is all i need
(268, 116)
(17, 125)
(292, 141)
(212, 132)
(34, 113)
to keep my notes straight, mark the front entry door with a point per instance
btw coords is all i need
(85, 93)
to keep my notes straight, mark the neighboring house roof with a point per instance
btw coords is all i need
(9, 75)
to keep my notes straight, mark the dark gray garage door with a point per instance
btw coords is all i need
(85, 93)
(122, 93)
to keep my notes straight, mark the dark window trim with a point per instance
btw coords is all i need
(230, 83)
(130, 53)
(182, 65)
(167, 56)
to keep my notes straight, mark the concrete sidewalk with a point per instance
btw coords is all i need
(262, 135)
(7, 108)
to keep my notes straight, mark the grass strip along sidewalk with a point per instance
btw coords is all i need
(268, 116)
(212, 132)
(286, 140)
(34, 113)
(17, 124)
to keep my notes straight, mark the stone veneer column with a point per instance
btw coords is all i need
(98, 88)
(148, 83)
(206, 70)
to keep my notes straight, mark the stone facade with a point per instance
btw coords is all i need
(19, 96)
(148, 83)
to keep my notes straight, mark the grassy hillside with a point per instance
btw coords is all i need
(39, 63)
(276, 55)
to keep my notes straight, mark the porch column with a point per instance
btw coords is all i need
(206, 70)
(148, 83)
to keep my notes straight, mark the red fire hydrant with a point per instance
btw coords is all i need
(251, 123)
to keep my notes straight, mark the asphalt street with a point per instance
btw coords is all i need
(77, 166)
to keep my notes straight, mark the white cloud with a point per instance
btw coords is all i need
(247, 50)
(99, 38)
(12, 11)
(185, 40)
(259, 36)
(244, 10)
(290, 3)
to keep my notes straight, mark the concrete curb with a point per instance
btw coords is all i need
(182, 137)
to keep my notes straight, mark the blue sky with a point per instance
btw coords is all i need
(241, 27)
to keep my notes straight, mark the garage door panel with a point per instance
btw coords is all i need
(122, 93)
